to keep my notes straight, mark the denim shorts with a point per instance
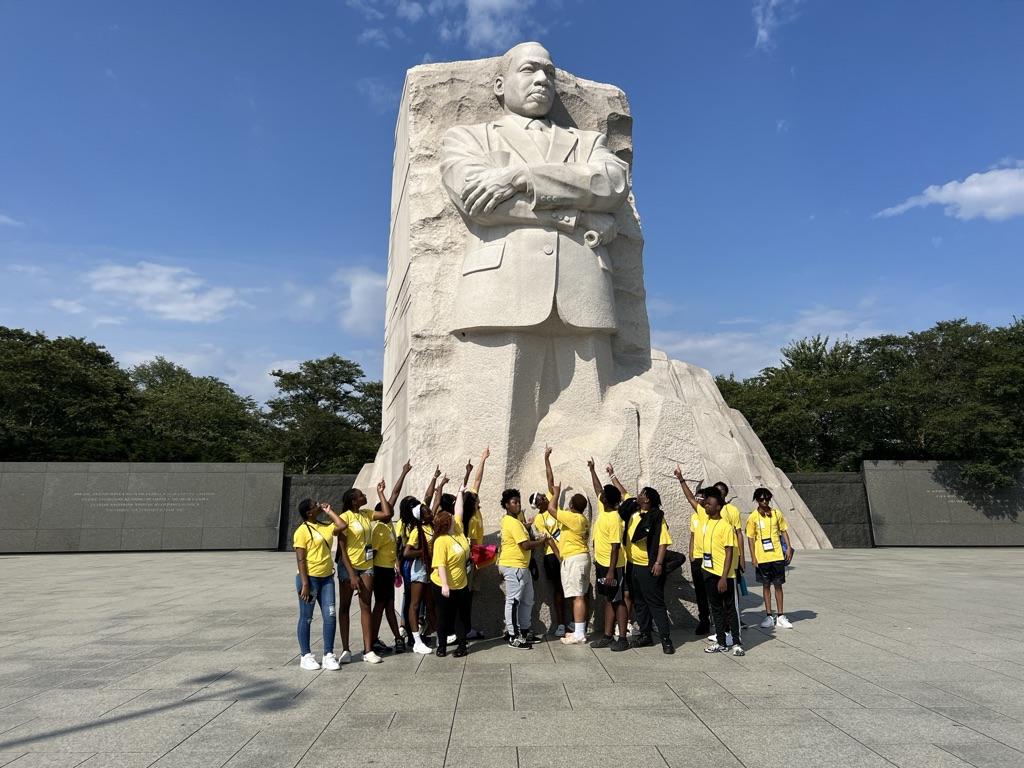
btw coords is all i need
(418, 572)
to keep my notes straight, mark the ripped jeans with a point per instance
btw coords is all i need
(321, 589)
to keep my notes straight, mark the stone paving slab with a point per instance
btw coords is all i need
(894, 660)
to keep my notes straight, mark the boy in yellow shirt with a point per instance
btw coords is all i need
(610, 562)
(766, 534)
(718, 548)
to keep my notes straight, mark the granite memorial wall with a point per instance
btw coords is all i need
(109, 507)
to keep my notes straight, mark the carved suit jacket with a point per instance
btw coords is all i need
(528, 255)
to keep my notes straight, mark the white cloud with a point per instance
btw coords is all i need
(409, 11)
(781, 126)
(996, 195)
(382, 96)
(373, 36)
(7, 221)
(769, 15)
(170, 293)
(362, 306)
(747, 352)
(70, 306)
(494, 25)
(366, 7)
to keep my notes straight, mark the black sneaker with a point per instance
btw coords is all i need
(667, 647)
(476, 634)
(530, 637)
(603, 642)
(399, 644)
(642, 641)
(620, 645)
(379, 647)
(519, 642)
(460, 652)
(442, 652)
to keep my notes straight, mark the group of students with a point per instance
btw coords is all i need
(434, 547)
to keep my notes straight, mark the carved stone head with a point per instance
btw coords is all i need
(525, 83)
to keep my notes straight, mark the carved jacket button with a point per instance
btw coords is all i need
(549, 249)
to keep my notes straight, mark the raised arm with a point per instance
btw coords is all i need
(386, 510)
(686, 488)
(339, 524)
(435, 503)
(548, 472)
(478, 480)
(406, 469)
(429, 493)
(598, 488)
(460, 506)
(615, 480)
(469, 471)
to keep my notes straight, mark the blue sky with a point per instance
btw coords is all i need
(210, 181)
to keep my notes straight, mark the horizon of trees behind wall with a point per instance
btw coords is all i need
(953, 392)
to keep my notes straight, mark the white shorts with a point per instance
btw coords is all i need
(576, 575)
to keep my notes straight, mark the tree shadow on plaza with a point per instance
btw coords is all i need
(272, 697)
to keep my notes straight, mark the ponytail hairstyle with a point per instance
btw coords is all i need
(348, 500)
(442, 524)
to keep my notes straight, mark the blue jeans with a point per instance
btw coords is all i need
(321, 589)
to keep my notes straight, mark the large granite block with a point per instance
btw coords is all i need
(924, 503)
(839, 503)
(109, 506)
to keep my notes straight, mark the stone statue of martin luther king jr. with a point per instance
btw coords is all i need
(538, 200)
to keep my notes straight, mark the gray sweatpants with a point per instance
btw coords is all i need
(518, 599)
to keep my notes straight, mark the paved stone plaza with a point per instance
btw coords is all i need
(898, 657)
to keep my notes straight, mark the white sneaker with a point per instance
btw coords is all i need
(345, 657)
(560, 630)
(309, 662)
(573, 639)
(768, 623)
(371, 658)
(452, 639)
(738, 651)
(783, 622)
(634, 628)
(331, 662)
(421, 647)
(728, 639)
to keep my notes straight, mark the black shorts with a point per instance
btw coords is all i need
(553, 568)
(771, 573)
(614, 594)
(383, 584)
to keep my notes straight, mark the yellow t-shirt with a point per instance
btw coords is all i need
(697, 522)
(718, 534)
(316, 539)
(414, 536)
(451, 551)
(731, 514)
(545, 522)
(476, 529)
(637, 553)
(608, 530)
(768, 526)
(358, 536)
(575, 532)
(385, 544)
(513, 532)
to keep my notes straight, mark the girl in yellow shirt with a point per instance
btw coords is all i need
(450, 563)
(315, 579)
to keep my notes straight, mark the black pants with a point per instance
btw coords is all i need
(648, 594)
(453, 614)
(723, 608)
(703, 610)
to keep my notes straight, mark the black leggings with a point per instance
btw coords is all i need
(648, 593)
(453, 615)
(723, 608)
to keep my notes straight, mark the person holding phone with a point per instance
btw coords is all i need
(314, 581)
(355, 556)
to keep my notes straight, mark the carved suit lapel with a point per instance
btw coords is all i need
(563, 142)
(516, 138)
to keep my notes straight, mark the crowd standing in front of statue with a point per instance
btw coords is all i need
(434, 546)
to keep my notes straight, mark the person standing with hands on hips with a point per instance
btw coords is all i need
(766, 534)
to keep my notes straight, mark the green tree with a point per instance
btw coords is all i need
(326, 418)
(63, 399)
(182, 417)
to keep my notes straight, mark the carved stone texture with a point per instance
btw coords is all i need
(526, 324)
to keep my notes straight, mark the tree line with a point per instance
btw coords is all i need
(67, 399)
(953, 392)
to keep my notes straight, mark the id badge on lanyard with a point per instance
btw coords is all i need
(708, 561)
(766, 541)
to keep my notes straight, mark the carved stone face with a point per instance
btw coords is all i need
(528, 85)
